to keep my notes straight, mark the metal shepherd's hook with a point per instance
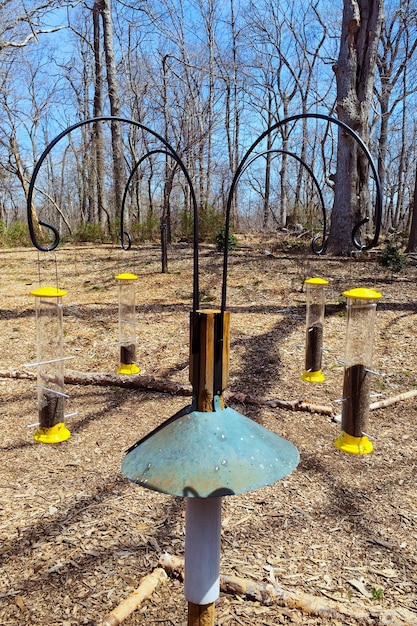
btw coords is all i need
(245, 162)
(169, 150)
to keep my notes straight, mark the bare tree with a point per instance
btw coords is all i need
(286, 41)
(412, 240)
(396, 68)
(355, 69)
(20, 23)
(99, 209)
(104, 7)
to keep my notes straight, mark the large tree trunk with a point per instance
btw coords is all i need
(355, 69)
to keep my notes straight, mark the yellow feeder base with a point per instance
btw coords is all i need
(353, 445)
(313, 377)
(55, 434)
(128, 369)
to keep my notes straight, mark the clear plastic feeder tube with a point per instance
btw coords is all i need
(361, 311)
(50, 365)
(127, 324)
(315, 305)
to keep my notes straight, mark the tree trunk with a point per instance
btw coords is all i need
(115, 108)
(98, 174)
(267, 193)
(412, 240)
(14, 150)
(354, 71)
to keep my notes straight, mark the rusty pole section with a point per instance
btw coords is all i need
(209, 369)
(201, 614)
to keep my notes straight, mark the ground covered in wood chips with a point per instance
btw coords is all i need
(76, 537)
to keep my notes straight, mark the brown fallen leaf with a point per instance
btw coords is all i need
(20, 603)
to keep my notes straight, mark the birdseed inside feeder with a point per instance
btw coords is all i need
(361, 310)
(127, 324)
(314, 329)
(50, 366)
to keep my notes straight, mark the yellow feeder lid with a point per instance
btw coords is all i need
(48, 292)
(362, 293)
(316, 281)
(126, 276)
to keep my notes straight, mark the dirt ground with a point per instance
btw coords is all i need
(76, 537)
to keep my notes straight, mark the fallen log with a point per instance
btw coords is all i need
(146, 588)
(269, 594)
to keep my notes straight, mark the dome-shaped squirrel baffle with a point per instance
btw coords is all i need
(206, 454)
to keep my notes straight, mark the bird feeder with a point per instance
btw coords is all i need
(50, 365)
(361, 309)
(207, 450)
(127, 324)
(314, 329)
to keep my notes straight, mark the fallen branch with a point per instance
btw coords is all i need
(136, 381)
(292, 405)
(270, 594)
(17, 375)
(164, 385)
(382, 404)
(104, 379)
(146, 588)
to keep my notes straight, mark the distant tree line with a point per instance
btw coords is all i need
(209, 76)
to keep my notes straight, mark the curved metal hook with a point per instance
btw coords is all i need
(172, 152)
(356, 243)
(123, 233)
(322, 248)
(32, 233)
(295, 118)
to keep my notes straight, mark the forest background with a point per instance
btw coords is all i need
(210, 77)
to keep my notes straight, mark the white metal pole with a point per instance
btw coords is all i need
(202, 549)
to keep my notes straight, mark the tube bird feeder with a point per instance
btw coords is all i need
(361, 310)
(127, 324)
(314, 329)
(50, 366)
